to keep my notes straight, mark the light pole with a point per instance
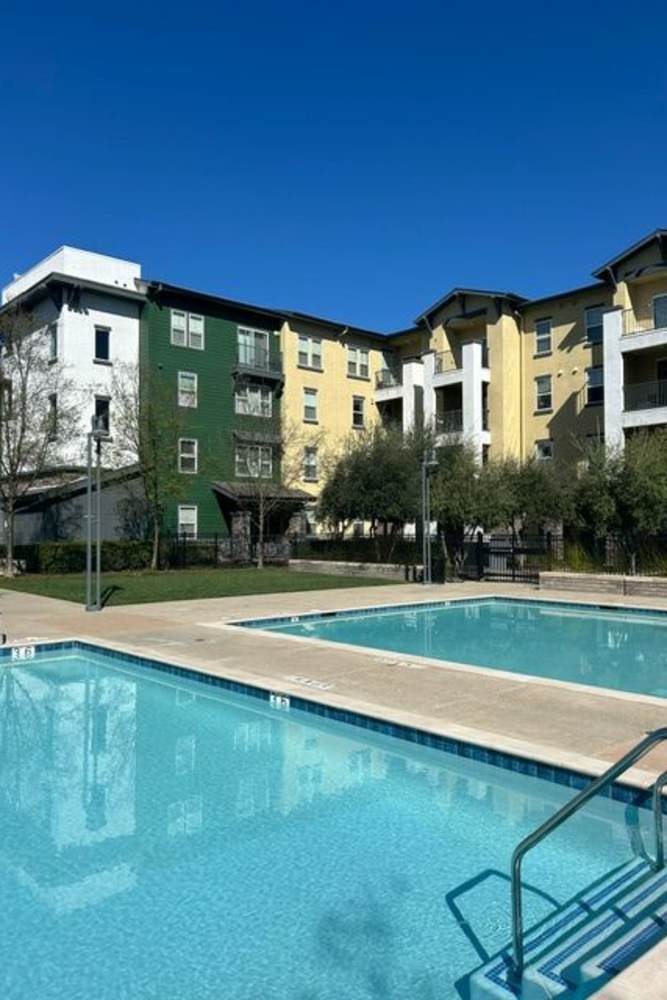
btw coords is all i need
(429, 462)
(94, 435)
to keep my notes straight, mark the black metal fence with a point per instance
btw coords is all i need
(184, 551)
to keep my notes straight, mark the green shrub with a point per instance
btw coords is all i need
(54, 558)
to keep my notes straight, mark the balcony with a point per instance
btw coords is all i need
(645, 396)
(388, 378)
(449, 422)
(258, 362)
(446, 361)
(645, 319)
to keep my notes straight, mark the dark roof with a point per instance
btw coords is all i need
(658, 234)
(267, 312)
(70, 481)
(600, 286)
(456, 292)
(39, 290)
(247, 491)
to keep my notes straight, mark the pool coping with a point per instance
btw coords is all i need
(573, 770)
(254, 625)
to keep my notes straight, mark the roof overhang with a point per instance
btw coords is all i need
(608, 269)
(461, 295)
(241, 494)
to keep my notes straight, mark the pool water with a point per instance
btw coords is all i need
(625, 649)
(163, 839)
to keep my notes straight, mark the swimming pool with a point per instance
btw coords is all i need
(165, 837)
(624, 649)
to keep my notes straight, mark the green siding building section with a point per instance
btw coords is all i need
(214, 422)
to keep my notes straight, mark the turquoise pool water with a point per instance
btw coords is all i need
(625, 650)
(162, 839)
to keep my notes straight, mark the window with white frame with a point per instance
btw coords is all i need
(187, 520)
(310, 352)
(358, 412)
(544, 450)
(543, 395)
(593, 319)
(187, 329)
(253, 401)
(357, 362)
(187, 389)
(543, 336)
(187, 455)
(52, 334)
(310, 471)
(253, 347)
(254, 461)
(310, 406)
(594, 385)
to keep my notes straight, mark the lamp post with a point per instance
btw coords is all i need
(95, 435)
(429, 462)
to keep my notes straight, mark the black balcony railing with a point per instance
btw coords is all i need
(388, 378)
(449, 422)
(645, 395)
(485, 419)
(252, 356)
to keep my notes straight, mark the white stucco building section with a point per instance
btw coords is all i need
(429, 389)
(413, 386)
(613, 378)
(472, 396)
(75, 263)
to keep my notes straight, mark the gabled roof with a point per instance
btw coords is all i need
(659, 235)
(462, 292)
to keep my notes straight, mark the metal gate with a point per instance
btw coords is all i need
(519, 560)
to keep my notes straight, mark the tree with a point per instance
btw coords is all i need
(623, 494)
(147, 425)
(375, 479)
(267, 497)
(455, 498)
(38, 413)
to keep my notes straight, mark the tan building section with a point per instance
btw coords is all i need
(329, 391)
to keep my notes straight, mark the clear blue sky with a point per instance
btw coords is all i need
(350, 159)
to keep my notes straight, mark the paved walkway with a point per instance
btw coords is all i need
(547, 721)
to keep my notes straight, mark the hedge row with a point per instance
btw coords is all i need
(70, 557)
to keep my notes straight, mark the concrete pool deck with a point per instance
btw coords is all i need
(566, 725)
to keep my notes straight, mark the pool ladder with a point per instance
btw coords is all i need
(534, 838)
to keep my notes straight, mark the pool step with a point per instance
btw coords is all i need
(586, 942)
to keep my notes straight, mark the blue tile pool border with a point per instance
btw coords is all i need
(565, 605)
(627, 794)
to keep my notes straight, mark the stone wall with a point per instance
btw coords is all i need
(387, 571)
(605, 583)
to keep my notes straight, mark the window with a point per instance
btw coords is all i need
(102, 335)
(543, 336)
(253, 347)
(187, 389)
(594, 385)
(358, 418)
(187, 455)
(53, 416)
(310, 406)
(53, 341)
(254, 461)
(187, 329)
(544, 450)
(310, 352)
(253, 401)
(102, 418)
(543, 399)
(660, 311)
(187, 520)
(357, 362)
(593, 319)
(179, 328)
(310, 464)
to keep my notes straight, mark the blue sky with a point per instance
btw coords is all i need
(354, 160)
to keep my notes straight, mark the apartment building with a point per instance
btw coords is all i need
(508, 375)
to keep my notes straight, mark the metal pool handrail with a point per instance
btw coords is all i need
(534, 838)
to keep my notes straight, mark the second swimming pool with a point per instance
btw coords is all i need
(620, 648)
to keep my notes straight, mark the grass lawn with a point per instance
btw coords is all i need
(188, 584)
